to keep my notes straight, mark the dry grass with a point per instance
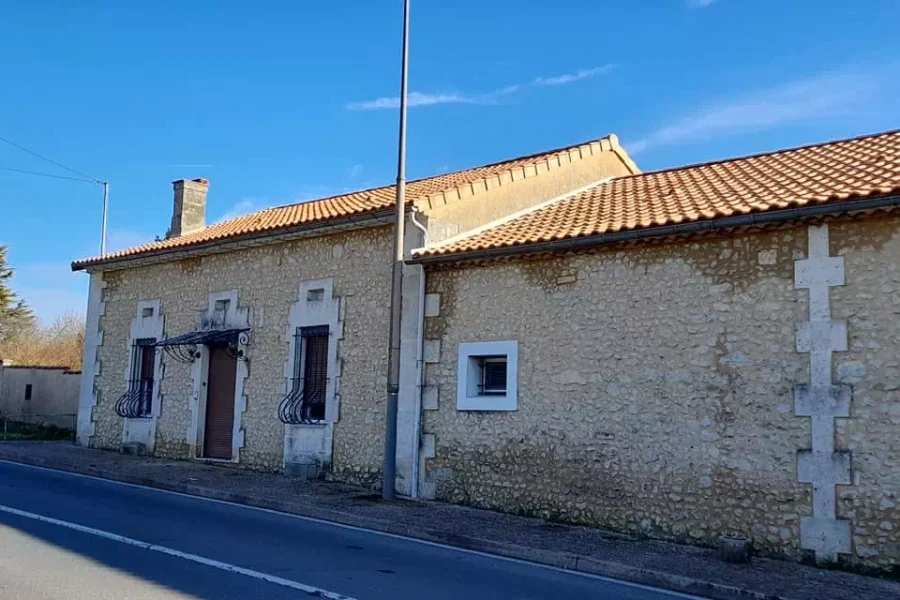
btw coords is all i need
(60, 344)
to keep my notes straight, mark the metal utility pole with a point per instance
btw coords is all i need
(393, 391)
(105, 185)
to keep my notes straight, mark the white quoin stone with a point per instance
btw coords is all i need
(833, 400)
(822, 400)
(90, 364)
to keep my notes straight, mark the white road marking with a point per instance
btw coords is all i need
(396, 536)
(179, 554)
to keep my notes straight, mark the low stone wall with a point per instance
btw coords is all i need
(656, 390)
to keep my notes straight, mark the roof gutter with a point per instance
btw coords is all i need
(754, 219)
(373, 219)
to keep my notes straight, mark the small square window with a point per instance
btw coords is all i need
(487, 376)
(316, 295)
(221, 306)
(147, 311)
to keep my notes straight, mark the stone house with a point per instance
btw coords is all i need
(688, 353)
(263, 340)
(682, 354)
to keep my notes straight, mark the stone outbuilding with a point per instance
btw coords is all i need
(39, 394)
(702, 351)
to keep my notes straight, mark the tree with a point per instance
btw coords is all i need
(59, 344)
(15, 315)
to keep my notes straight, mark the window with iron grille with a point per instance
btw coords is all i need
(305, 402)
(137, 402)
(487, 376)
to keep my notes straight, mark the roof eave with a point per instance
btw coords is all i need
(361, 221)
(710, 225)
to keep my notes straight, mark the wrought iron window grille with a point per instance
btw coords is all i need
(305, 401)
(137, 402)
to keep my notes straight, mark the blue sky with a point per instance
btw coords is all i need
(276, 102)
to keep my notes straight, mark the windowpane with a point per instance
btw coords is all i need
(28, 391)
(493, 375)
(144, 359)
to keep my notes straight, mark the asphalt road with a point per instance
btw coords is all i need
(65, 536)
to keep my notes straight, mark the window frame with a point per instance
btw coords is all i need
(470, 392)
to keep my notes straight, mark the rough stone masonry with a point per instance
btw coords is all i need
(684, 390)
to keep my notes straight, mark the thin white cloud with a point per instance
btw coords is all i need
(356, 171)
(419, 99)
(830, 95)
(120, 239)
(413, 99)
(700, 3)
(244, 207)
(571, 77)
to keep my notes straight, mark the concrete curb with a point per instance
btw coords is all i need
(562, 560)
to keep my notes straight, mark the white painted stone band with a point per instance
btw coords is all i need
(822, 400)
(314, 591)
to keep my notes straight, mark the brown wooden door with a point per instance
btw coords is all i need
(219, 405)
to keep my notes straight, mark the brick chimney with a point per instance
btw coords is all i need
(189, 212)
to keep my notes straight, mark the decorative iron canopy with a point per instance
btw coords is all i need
(183, 348)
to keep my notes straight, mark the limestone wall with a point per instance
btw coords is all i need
(267, 279)
(656, 389)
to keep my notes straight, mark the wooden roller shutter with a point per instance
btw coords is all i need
(217, 436)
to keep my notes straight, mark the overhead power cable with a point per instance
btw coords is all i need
(50, 175)
(51, 161)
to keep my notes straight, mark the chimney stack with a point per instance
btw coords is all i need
(189, 212)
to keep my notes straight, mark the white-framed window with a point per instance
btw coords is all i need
(308, 390)
(487, 376)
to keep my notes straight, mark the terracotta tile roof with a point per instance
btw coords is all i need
(353, 204)
(867, 166)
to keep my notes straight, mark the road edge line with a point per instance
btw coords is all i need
(561, 560)
(195, 558)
